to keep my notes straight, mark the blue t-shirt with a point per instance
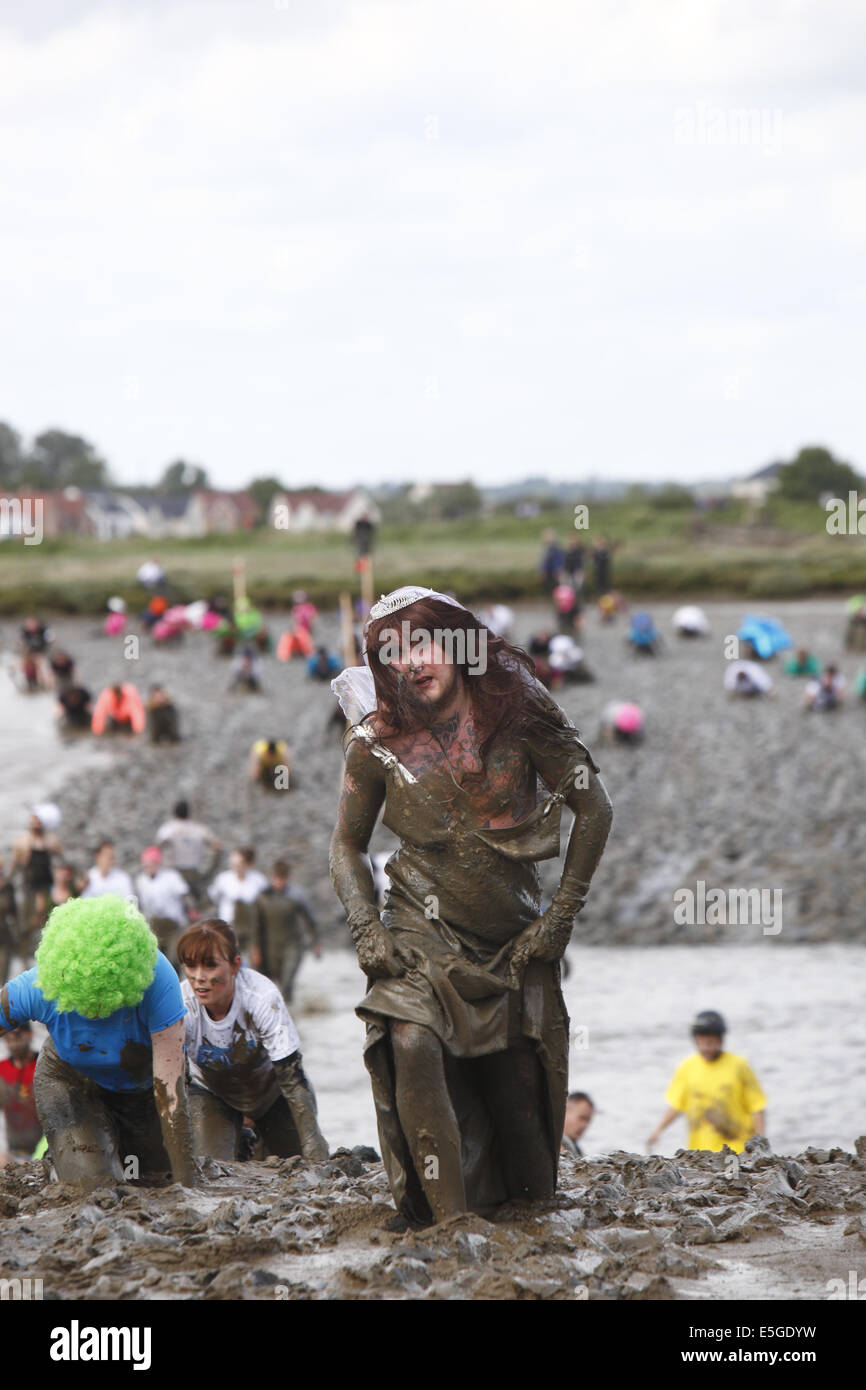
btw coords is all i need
(116, 1052)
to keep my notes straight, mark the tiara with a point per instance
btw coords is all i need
(403, 598)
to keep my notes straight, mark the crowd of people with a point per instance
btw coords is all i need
(213, 928)
(561, 660)
(205, 954)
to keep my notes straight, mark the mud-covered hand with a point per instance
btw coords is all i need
(377, 953)
(302, 1102)
(548, 936)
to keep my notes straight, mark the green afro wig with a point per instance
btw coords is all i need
(97, 955)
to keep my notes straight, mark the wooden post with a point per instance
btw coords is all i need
(365, 565)
(347, 637)
(239, 574)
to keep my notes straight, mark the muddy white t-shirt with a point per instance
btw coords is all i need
(233, 1057)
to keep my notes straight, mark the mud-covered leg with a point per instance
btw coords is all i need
(216, 1127)
(514, 1089)
(427, 1117)
(291, 964)
(82, 1136)
(278, 1130)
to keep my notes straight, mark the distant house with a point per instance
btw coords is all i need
(220, 513)
(112, 516)
(321, 511)
(160, 514)
(758, 486)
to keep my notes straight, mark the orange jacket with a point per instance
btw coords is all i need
(127, 710)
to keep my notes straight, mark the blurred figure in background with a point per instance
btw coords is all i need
(74, 709)
(579, 1111)
(550, 565)
(119, 711)
(270, 764)
(151, 574)
(643, 636)
(827, 693)
(62, 669)
(622, 723)
(8, 923)
(190, 847)
(286, 927)
(802, 663)
(233, 893)
(323, 666)
(568, 607)
(574, 563)
(162, 721)
(67, 883)
(746, 679)
(567, 663)
(34, 640)
(246, 672)
(105, 877)
(602, 565)
(23, 1130)
(32, 856)
(164, 900)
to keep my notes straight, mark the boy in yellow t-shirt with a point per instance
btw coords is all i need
(717, 1090)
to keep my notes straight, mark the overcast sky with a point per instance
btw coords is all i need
(388, 239)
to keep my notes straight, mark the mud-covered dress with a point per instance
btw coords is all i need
(459, 896)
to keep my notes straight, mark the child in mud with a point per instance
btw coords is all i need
(716, 1090)
(243, 1052)
(109, 1081)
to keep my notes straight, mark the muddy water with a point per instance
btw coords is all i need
(796, 1013)
(35, 763)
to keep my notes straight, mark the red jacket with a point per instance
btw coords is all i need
(127, 710)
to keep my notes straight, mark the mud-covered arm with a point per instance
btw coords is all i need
(305, 912)
(565, 764)
(593, 817)
(302, 1102)
(560, 757)
(169, 1090)
(361, 799)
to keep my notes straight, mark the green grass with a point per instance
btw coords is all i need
(657, 554)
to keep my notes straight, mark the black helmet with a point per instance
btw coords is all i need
(708, 1021)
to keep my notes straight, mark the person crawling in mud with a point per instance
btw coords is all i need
(243, 1053)
(109, 1082)
(467, 1032)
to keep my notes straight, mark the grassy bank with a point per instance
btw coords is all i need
(785, 553)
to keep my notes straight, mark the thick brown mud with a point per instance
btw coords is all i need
(699, 1226)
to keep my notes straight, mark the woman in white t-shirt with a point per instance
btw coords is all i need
(243, 1052)
(235, 890)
